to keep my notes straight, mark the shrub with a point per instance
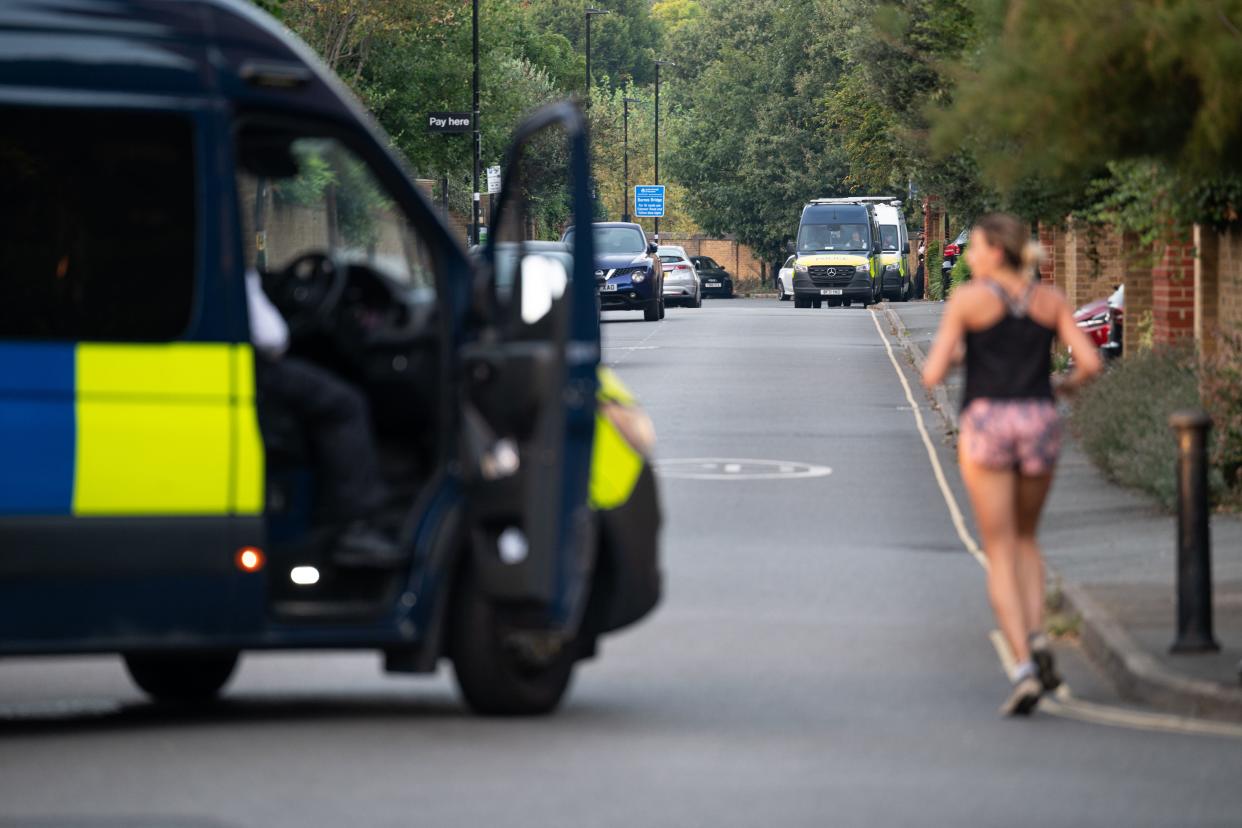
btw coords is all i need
(959, 274)
(1122, 419)
(931, 270)
(1221, 388)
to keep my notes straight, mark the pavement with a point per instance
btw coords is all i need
(1113, 554)
(823, 655)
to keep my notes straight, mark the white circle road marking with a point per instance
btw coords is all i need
(732, 468)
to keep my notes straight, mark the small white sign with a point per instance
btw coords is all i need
(493, 180)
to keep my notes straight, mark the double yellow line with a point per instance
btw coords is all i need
(1063, 702)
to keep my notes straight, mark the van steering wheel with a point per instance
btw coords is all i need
(308, 291)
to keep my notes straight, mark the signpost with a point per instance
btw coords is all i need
(493, 180)
(449, 122)
(649, 201)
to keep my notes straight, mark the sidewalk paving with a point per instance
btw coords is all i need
(1113, 552)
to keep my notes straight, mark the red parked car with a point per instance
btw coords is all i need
(1103, 320)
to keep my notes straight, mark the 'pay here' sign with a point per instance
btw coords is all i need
(449, 122)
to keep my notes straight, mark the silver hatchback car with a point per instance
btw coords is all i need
(682, 285)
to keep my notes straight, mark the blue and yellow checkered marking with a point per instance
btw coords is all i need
(101, 429)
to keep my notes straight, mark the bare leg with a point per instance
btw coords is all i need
(1031, 494)
(993, 495)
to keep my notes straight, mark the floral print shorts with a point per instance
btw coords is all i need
(1022, 435)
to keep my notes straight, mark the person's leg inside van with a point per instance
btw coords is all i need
(336, 418)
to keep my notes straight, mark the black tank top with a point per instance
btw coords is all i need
(1012, 360)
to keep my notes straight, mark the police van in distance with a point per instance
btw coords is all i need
(838, 254)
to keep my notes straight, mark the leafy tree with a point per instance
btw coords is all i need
(679, 18)
(608, 142)
(750, 149)
(1064, 89)
(624, 44)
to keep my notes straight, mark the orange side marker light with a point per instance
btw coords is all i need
(249, 559)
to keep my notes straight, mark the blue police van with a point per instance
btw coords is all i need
(153, 153)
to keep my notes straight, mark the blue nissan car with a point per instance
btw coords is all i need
(627, 269)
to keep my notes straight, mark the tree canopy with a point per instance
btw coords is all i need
(1125, 111)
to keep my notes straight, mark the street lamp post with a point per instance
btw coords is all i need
(658, 64)
(478, 137)
(625, 155)
(589, 13)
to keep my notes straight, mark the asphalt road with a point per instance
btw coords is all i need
(822, 656)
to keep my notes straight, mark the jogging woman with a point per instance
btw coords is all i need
(1010, 430)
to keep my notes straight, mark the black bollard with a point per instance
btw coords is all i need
(1194, 548)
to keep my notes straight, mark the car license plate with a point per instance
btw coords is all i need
(713, 284)
(608, 288)
(832, 292)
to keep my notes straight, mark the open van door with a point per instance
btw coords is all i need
(529, 382)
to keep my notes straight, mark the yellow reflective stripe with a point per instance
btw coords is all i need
(248, 457)
(153, 429)
(612, 389)
(615, 466)
(180, 369)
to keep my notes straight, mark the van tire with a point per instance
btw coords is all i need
(181, 677)
(492, 681)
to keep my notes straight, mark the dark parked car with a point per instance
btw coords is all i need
(626, 269)
(716, 280)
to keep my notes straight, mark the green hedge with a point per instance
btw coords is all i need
(931, 269)
(1122, 419)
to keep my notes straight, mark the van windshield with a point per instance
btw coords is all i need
(611, 240)
(888, 237)
(831, 236)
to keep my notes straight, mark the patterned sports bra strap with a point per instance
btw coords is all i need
(1015, 307)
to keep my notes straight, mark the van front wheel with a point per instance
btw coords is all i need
(495, 677)
(181, 677)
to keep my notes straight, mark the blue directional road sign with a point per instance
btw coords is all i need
(649, 201)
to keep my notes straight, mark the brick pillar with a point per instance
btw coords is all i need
(1060, 265)
(1207, 288)
(1047, 254)
(1173, 290)
(1136, 263)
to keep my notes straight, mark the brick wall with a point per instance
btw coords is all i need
(1229, 281)
(738, 259)
(1173, 291)
(1047, 254)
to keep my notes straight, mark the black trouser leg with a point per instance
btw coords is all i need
(337, 419)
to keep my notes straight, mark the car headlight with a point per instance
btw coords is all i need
(892, 267)
(862, 268)
(639, 277)
(1098, 319)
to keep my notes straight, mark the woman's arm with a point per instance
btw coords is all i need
(1087, 361)
(948, 345)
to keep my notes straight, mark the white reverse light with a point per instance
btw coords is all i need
(304, 575)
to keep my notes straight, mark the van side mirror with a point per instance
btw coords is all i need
(905, 248)
(789, 248)
(875, 247)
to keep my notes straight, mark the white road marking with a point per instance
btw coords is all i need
(733, 468)
(1063, 703)
(630, 349)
